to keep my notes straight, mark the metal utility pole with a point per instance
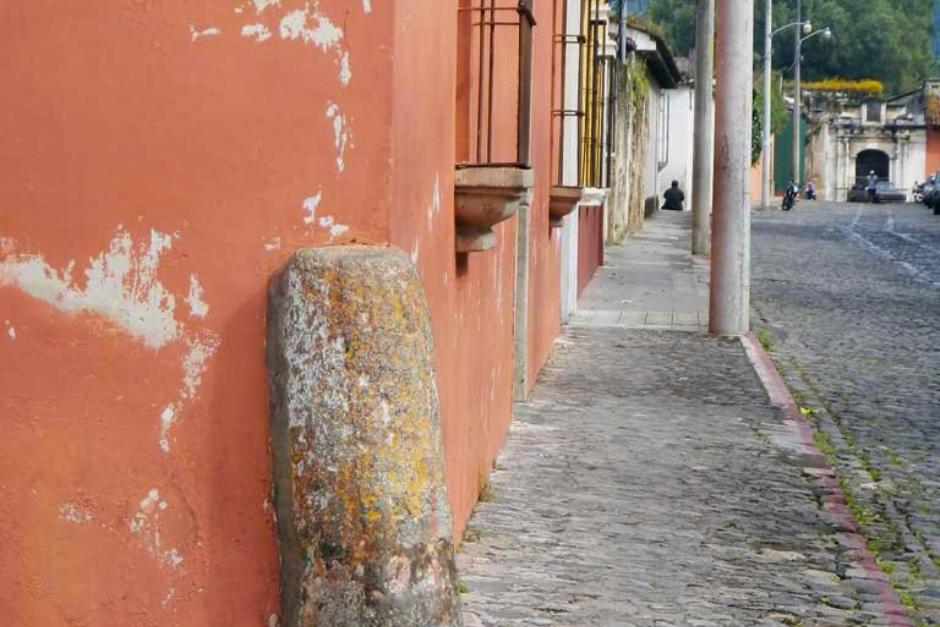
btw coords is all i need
(702, 163)
(765, 190)
(797, 93)
(731, 237)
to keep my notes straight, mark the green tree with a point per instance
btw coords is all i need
(884, 39)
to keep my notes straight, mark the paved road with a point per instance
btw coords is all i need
(851, 296)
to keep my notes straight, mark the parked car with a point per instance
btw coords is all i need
(929, 189)
(884, 192)
(858, 193)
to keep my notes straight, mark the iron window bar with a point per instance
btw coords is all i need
(562, 41)
(593, 99)
(486, 16)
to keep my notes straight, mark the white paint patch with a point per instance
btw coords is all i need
(328, 222)
(340, 134)
(345, 72)
(169, 596)
(197, 307)
(195, 360)
(415, 250)
(273, 244)
(174, 558)
(120, 284)
(194, 363)
(310, 205)
(167, 418)
(435, 207)
(74, 514)
(260, 32)
(212, 31)
(367, 6)
(272, 620)
(11, 330)
(321, 32)
(145, 523)
(261, 5)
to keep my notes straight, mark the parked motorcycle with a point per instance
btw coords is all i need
(789, 196)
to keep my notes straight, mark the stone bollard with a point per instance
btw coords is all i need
(363, 520)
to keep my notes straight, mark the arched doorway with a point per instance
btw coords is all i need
(872, 160)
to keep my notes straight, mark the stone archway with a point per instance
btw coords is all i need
(872, 160)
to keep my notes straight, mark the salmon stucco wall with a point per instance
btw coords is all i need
(544, 316)
(933, 152)
(470, 295)
(590, 243)
(160, 162)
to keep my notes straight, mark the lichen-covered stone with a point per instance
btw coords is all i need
(363, 519)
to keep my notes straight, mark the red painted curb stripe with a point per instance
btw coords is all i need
(834, 501)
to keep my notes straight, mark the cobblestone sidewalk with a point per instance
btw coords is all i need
(649, 481)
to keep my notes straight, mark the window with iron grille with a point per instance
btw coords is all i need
(494, 69)
(596, 126)
(566, 121)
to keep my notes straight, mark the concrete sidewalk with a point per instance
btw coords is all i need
(651, 481)
(650, 283)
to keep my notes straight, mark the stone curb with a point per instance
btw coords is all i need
(834, 500)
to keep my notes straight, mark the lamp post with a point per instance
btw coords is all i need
(768, 54)
(798, 92)
(797, 144)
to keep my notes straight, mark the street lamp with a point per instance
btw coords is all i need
(807, 30)
(798, 101)
(769, 33)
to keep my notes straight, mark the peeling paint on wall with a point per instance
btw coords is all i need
(340, 133)
(121, 285)
(310, 205)
(212, 31)
(367, 6)
(74, 514)
(261, 5)
(345, 72)
(11, 331)
(145, 523)
(197, 307)
(323, 33)
(328, 222)
(259, 31)
(195, 360)
(273, 244)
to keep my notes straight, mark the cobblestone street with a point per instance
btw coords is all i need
(649, 481)
(850, 302)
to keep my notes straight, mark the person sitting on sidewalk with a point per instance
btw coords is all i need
(674, 197)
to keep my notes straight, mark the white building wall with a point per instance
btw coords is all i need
(681, 127)
(651, 179)
(569, 229)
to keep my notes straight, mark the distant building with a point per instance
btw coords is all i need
(897, 138)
